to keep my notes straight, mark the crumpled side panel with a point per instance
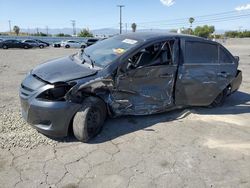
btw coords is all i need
(144, 91)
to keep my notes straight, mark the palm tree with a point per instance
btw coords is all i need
(133, 27)
(191, 20)
(16, 29)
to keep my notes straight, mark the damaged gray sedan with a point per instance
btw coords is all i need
(131, 74)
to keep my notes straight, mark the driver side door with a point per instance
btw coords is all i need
(146, 89)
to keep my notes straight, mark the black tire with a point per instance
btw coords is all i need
(220, 99)
(41, 46)
(25, 47)
(5, 46)
(83, 46)
(67, 46)
(88, 121)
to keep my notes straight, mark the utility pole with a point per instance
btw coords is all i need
(10, 25)
(120, 6)
(47, 30)
(73, 22)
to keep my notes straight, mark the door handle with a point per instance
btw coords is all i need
(223, 74)
(166, 75)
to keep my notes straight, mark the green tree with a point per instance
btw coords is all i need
(85, 33)
(204, 31)
(237, 34)
(62, 35)
(16, 29)
(40, 34)
(134, 26)
(191, 21)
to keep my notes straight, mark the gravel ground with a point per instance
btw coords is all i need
(14, 64)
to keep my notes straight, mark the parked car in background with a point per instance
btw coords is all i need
(130, 74)
(14, 44)
(91, 41)
(73, 44)
(40, 41)
(35, 43)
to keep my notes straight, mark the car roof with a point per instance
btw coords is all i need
(146, 36)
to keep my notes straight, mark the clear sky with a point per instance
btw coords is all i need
(104, 13)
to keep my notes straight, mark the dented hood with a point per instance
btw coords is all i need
(62, 69)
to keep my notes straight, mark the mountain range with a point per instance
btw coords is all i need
(102, 31)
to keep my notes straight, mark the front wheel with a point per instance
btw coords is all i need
(88, 121)
(67, 46)
(25, 47)
(41, 46)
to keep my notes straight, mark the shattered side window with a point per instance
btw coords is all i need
(200, 53)
(224, 56)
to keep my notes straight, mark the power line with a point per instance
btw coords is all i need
(184, 21)
(202, 21)
(196, 17)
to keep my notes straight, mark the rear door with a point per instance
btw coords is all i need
(197, 81)
(228, 67)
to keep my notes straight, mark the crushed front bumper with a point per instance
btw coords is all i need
(49, 118)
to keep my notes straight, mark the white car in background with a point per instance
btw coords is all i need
(73, 44)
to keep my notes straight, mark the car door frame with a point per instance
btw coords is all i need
(197, 83)
(228, 71)
(123, 106)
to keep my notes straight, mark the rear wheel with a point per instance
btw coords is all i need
(89, 120)
(220, 99)
(41, 46)
(5, 47)
(25, 47)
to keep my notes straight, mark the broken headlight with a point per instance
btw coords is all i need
(57, 93)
